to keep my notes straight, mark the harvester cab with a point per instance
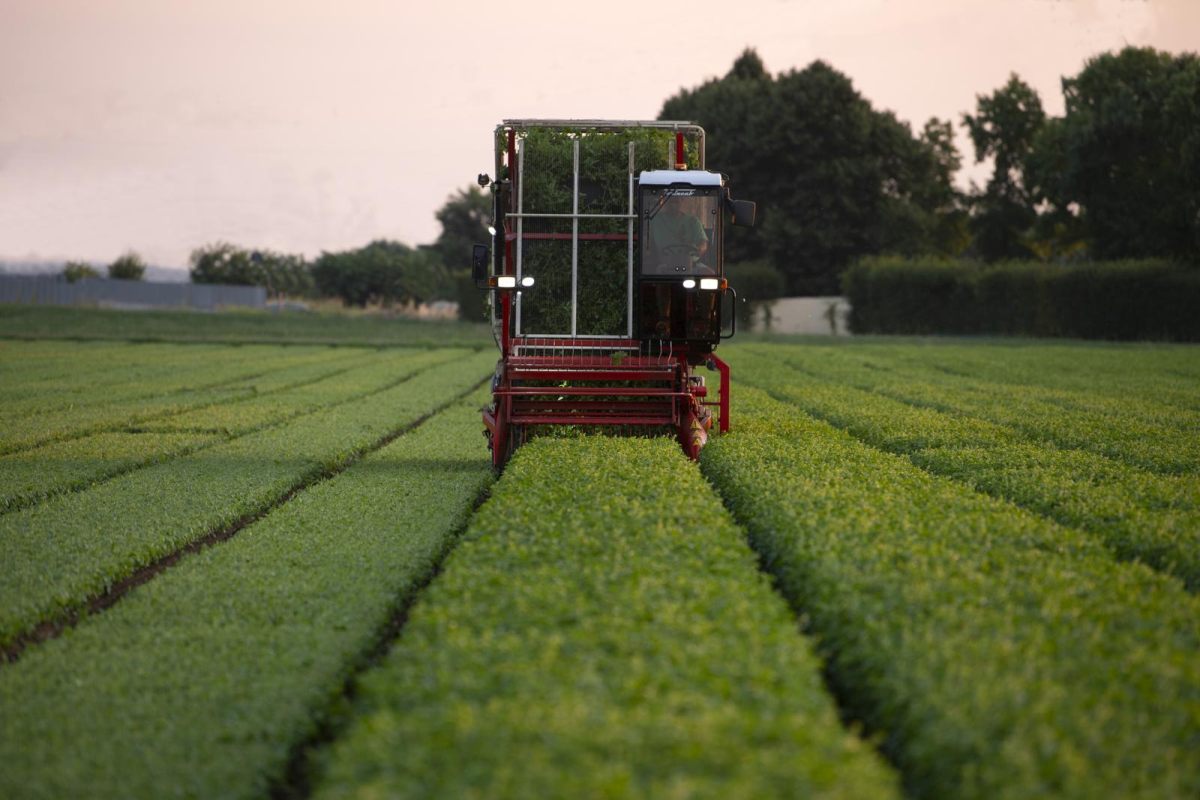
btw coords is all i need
(682, 290)
(607, 279)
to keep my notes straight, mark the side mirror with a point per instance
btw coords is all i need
(479, 265)
(743, 212)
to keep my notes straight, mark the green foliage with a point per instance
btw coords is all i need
(604, 189)
(383, 272)
(278, 273)
(171, 383)
(31, 475)
(241, 327)
(1004, 128)
(75, 545)
(1129, 154)
(200, 683)
(128, 267)
(464, 218)
(625, 645)
(834, 178)
(78, 270)
(1090, 300)
(1006, 442)
(1000, 655)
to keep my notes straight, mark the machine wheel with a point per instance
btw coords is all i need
(692, 434)
(516, 437)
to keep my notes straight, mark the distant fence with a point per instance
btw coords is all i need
(52, 290)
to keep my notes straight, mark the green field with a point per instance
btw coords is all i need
(252, 555)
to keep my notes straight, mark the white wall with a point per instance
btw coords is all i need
(807, 315)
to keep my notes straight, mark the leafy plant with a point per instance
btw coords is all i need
(76, 545)
(622, 645)
(998, 654)
(202, 682)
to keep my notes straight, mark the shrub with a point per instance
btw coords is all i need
(1091, 300)
(78, 270)
(279, 273)
(129, 267)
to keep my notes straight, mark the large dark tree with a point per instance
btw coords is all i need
(834, 178)
(464, 218)
(1128, 154)
(1004, 128)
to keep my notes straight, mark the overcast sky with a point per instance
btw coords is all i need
(302, 125)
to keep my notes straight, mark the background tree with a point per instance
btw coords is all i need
(464, 218)
(1128, 154)
(733, 111)
(383, 272)
(78, 270)
(128, 267)
(278, 273)
(1004, 128)
(834, 178)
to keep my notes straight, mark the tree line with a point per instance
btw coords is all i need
(1116, 177)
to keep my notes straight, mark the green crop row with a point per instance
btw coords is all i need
(28, 367)
(210, 382)
(74, 546)
(201, 682)
(27, 476)
(117, 381)
(1152, 518)
(1153, 374)
(365, 330)
(1148, 435)
(32, 475)
(602, 631)
(999, 654)
(299, 397)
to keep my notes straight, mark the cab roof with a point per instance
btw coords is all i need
(692, 177)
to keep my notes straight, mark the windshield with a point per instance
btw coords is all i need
(678, 231)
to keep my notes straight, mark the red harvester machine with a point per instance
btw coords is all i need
(606, 298)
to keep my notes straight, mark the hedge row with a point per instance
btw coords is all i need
(201, 682)
(1099, 300)
(602, 631)
(73, 546)
(1151, 518)
(1000, 655)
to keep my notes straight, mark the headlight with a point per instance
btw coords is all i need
(527, 281)
(709, 283)
(506, 281)
(689, 284)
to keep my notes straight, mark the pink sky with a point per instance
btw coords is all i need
(162, 125)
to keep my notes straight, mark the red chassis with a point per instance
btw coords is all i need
(556, 382)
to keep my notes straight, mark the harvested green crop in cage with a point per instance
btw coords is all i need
(603, 264)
